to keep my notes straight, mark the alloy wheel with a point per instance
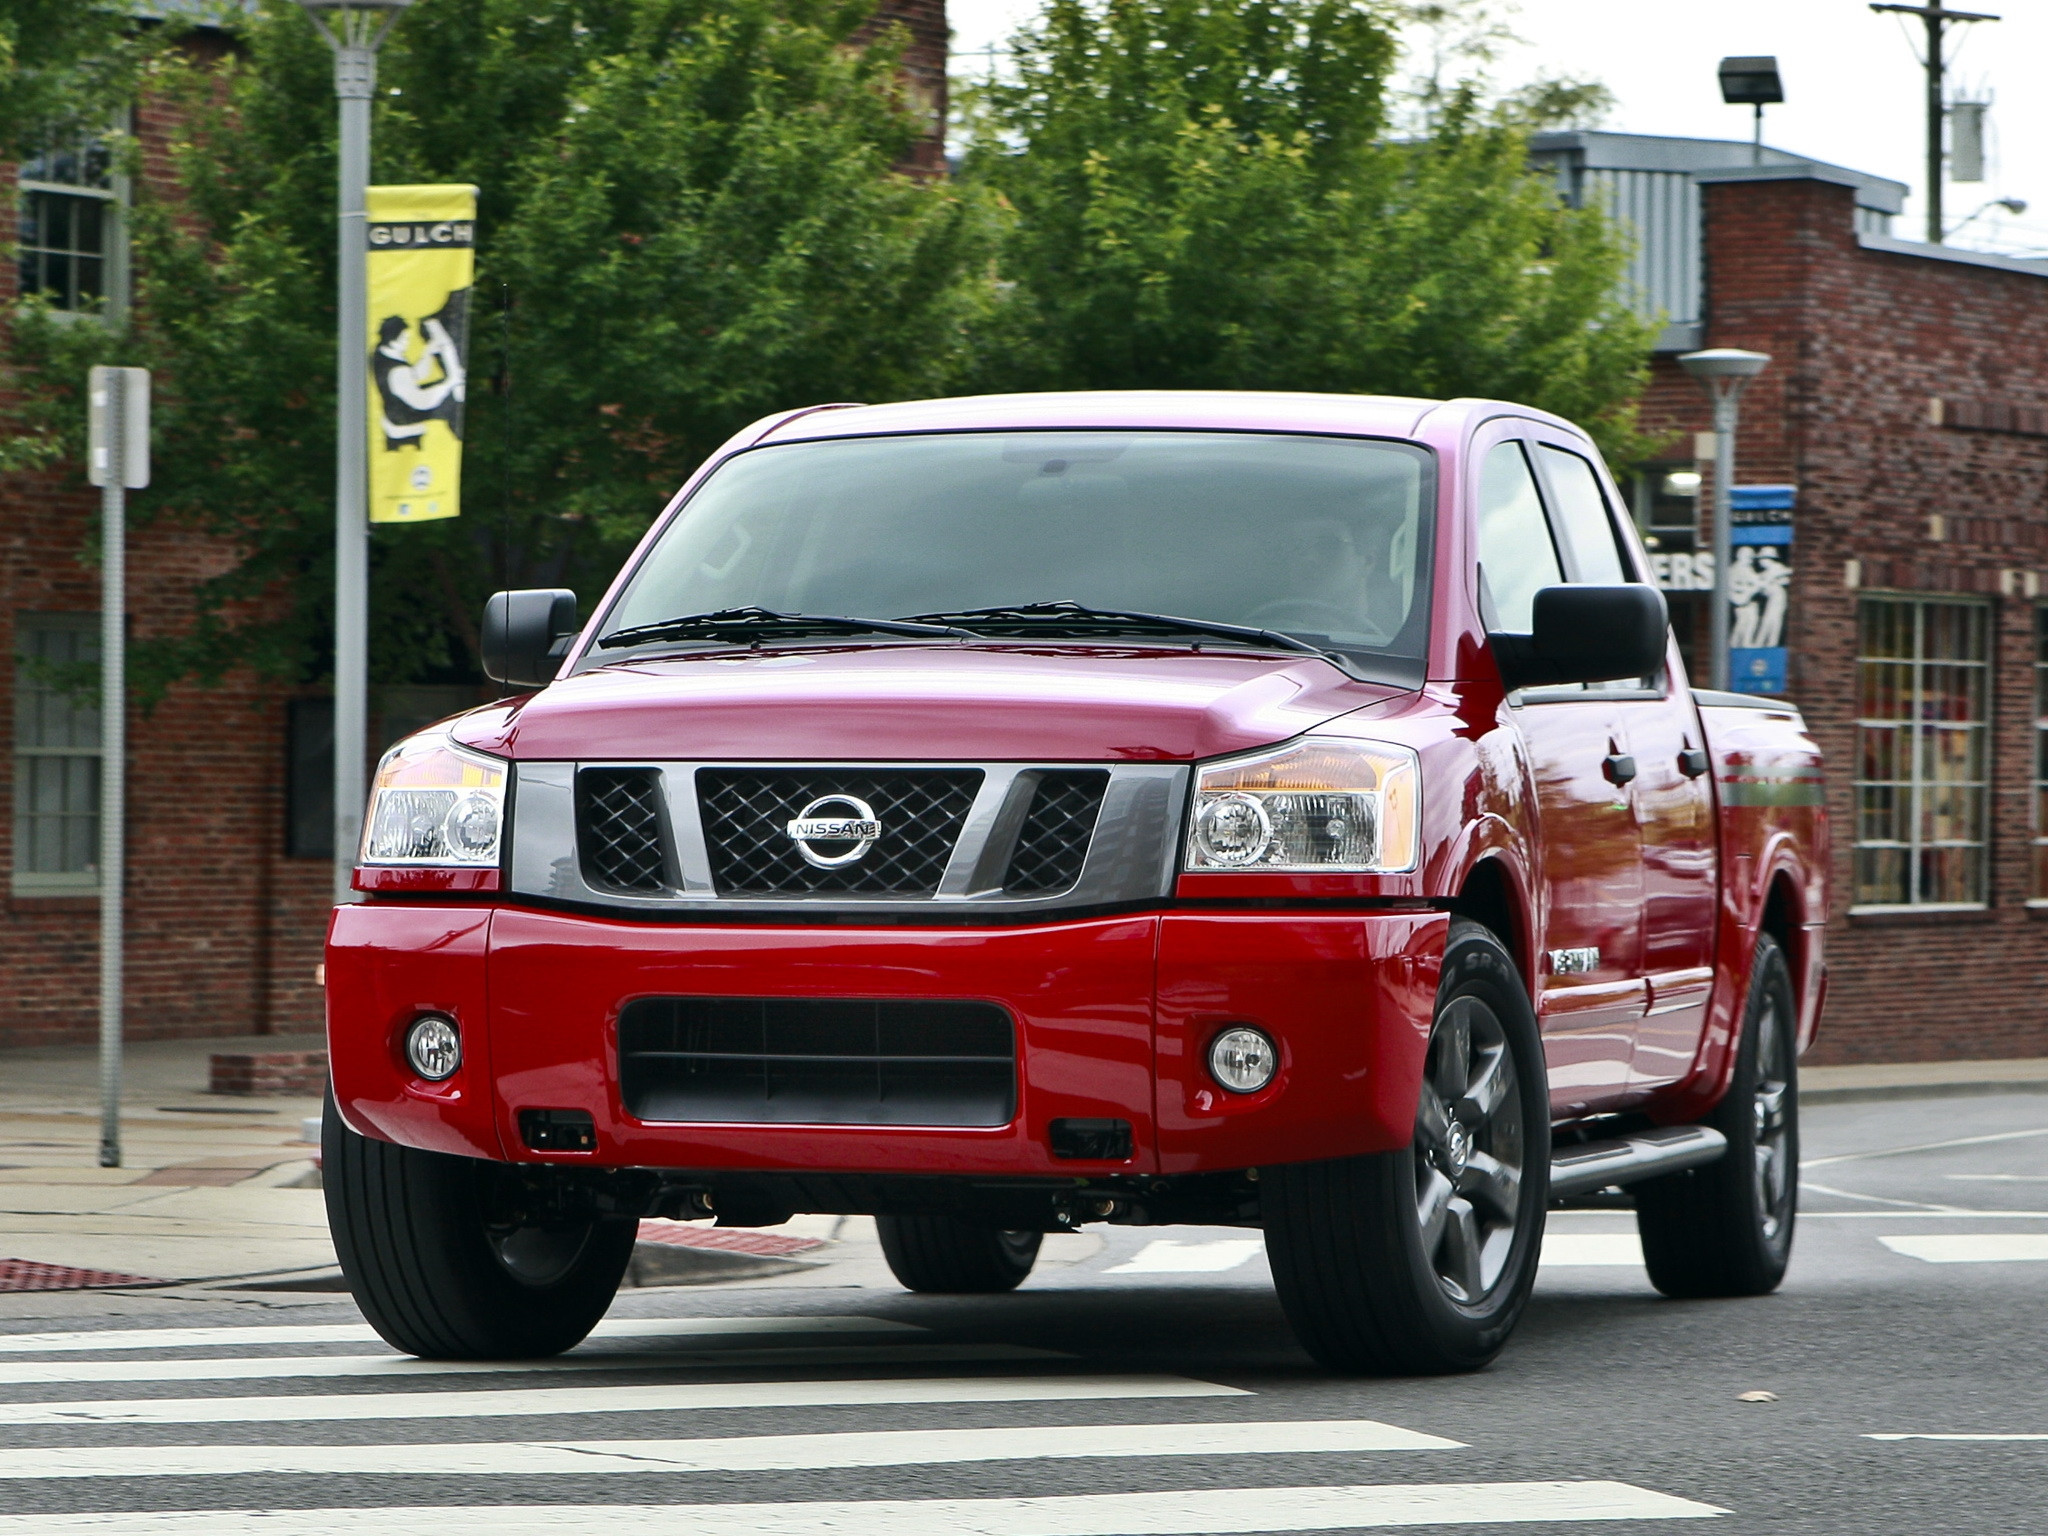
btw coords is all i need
(1470, 1144)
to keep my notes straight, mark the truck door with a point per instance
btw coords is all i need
(1589, 987)
(1668, 797)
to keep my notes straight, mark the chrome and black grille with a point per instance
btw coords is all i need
(1053, 842)
(747, 811)
(619, 838)
(817, 1061)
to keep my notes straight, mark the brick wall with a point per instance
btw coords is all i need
(924, 73)
(1861, 341)
(223, 930)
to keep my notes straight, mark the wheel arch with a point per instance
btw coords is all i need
(1491, 894)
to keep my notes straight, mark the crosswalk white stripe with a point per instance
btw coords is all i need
(1164, 1256)
(1204, 1512)
(43, 1373)
(254, 1334)
(543, 1402)
(742, 1453)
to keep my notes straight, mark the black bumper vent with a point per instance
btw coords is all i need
(810, 1061)
(747, 812)
(619, 834)
(1054, 839)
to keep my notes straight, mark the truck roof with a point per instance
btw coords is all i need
(1215, 410)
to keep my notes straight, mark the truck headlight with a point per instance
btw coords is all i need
(434, 803)
(1317, 806)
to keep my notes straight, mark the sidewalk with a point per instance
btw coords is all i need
(211, 1185)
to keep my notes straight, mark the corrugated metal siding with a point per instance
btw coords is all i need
(1661, 210)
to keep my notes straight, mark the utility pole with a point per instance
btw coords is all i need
(1937, 20)
(117, 461)
(358, 28)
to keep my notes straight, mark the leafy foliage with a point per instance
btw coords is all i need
(1207, 196)
(688, 219)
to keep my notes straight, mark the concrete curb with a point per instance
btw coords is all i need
(1922, 1080)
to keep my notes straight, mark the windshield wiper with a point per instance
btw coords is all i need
(1073, 621)
(738, 626)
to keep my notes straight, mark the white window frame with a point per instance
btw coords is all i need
(116, 196)
(26, 882)
(1915, 785)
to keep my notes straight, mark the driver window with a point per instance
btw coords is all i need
(1582, 516)
(1516, 556)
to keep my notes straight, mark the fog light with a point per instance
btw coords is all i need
(433, 1047)
(1243, 1060)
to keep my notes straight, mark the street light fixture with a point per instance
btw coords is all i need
(1752, 81)
(354, 29)
(1723, 372)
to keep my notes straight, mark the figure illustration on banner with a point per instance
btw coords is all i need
(430, 387)
(1757, 583)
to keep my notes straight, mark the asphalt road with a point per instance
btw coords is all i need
(1143, 1383)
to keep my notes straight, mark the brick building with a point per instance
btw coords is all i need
(1906, 405)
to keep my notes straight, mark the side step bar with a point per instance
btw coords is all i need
(1580, 1170)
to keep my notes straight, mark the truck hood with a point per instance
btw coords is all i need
(992, 703)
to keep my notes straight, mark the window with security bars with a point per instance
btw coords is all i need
(69, 225)
(1922, 769)
(56, 755)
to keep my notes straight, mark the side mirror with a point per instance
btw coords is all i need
(526, 634)
(1586, 635)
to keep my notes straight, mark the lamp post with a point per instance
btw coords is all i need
(1752, 81)
(1723, 372)
(354, 29)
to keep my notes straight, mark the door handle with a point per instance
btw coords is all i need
(1619, 767)
(1692, 762)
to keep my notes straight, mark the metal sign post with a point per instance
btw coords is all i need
(1723, 372)
(117, 462)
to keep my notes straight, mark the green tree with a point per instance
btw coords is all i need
(688, 219)
(1207, 195)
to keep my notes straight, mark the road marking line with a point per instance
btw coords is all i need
(362, 1333)
(1956, 1437)
(1574, 1249)
(742, 1453)
(544, 1402)
(1204, 1512)
(1925, 1146)
(1804, 1215)
(1999, 1178)
(1924, 1207)
(45, 1373)
(1972, 1247)
(1164, 1256)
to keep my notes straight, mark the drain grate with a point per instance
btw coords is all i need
(28, 1275)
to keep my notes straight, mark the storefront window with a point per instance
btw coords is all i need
(1923, 700)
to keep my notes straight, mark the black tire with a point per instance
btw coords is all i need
(939, 1253)
(1364, 1288)
(1726, 1229)
(437, 1277)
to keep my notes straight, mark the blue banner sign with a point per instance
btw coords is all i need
(1759, 587)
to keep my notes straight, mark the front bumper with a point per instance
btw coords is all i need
(1113, 1018)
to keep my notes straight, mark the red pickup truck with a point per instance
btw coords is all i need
(997, 815)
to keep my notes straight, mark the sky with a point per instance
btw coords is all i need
(1853, 84)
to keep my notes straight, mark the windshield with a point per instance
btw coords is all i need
(1323, 538)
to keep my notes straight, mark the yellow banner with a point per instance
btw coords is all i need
(422, 245)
